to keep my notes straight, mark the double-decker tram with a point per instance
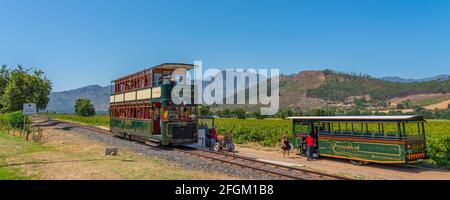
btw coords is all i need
(363, 139)
(141, 107)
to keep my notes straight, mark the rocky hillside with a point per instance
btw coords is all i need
(311, 89)
(340, 86)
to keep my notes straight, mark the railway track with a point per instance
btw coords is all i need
(273, 169)
(258, 165)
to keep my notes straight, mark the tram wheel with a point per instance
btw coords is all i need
(357, 162)
(217, 147)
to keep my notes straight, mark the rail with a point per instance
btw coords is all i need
(240, 161)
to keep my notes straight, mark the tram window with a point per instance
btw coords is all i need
(166, 79)
(321, 127)
(179, 113)
(334, 127)
(413, 129)
(143, 84)
(156, 79)
(373, 129)
(148, 79)
(179, 79)
(139, 113)
(185, 113)
(302, 128)
(150, 113)
(391, 129)
(157, 112)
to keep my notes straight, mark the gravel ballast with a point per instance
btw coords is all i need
(184, 160)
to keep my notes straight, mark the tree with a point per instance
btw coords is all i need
(360, 103)
(84, 107)
(4, 77)
(289, 113)
(258, 115)
(419, 109)
(23, 86)
(240, 113)
(318, 112)
(226, 112)
(218, 113)
(283, 114)
(205, 110)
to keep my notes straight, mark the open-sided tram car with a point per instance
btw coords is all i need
(141, 107)
(362, 139)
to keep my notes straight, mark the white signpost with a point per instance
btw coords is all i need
(29, 108)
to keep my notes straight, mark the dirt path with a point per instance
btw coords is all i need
(440, 105)
(343, 167)
(72, 156)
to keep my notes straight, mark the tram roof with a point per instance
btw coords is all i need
(359, 118)
(164, 66)
(173, 66)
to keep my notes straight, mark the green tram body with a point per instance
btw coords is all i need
(387, 139)
(157, 122)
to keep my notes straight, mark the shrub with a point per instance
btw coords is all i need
(13, 119)
(240, 113)
(439, 149)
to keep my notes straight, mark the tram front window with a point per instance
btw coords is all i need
(182, 113)
(302, 128)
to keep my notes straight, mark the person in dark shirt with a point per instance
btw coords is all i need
(285, 145)
(212, 137)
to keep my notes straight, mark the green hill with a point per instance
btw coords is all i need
(339, 86)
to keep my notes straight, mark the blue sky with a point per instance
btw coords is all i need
(92, 42)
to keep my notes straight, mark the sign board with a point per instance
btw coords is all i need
(29, 108)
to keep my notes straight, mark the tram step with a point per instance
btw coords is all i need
(153, 142)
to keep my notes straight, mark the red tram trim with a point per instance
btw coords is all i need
(415, 156)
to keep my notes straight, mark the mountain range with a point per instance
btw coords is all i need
(410, 80)
(63, 102)
(305, 91)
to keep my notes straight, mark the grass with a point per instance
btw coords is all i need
(15, 146)
(70, 156)
(97, 120)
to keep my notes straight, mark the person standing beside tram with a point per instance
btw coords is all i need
(310, 143)
(212, 137)
(285, 145)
